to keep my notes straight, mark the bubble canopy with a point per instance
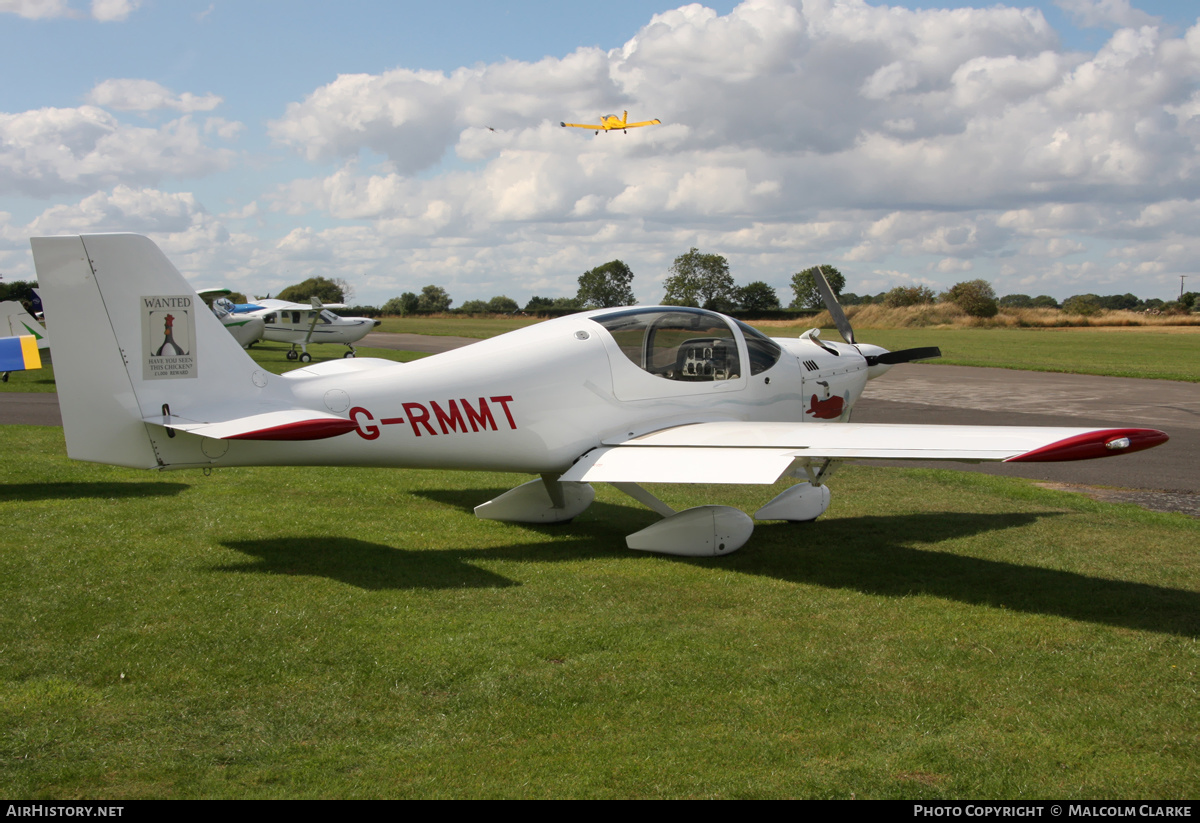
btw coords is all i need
(687, 344)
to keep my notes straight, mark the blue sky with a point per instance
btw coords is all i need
(1048, 148)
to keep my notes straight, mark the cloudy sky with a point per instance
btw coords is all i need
(1049, 148)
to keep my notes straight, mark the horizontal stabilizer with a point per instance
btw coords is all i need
(298, 424)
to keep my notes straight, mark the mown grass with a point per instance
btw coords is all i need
(358, 633)
(32, 380)
(273, 356)
(451, 325)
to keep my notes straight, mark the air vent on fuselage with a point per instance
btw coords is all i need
(811, 365)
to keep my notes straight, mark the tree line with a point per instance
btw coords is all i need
(704, 281)
(20, 291)
(696, 279)
(978, 299)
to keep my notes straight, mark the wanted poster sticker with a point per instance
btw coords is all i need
(168, 336)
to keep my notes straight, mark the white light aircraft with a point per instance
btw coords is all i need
(245, 328)
(625, 396)
(300, 325)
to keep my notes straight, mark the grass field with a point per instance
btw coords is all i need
(358, 633)
(451, 326)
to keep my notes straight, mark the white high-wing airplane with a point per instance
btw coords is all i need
(298, 324)
(146, 378)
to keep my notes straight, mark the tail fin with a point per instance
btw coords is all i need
(16, 322)
(132, 342)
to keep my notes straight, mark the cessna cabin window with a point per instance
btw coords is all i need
(683, 344)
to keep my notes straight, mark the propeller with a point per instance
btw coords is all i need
(835, 308)
(891, 358)
(887, 358)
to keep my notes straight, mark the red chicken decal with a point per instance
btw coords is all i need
(830, 409)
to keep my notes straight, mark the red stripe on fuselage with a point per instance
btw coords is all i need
(301, 430)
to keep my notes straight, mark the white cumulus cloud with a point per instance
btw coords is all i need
(52, 150)
(103, 10)
(129, 94)
(1105, 13)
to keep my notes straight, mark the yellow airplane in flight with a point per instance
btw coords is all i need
(610, 122)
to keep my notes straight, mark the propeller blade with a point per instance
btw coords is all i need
(891, 358)
(831, 303)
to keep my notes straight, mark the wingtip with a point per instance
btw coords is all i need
(1099, 443)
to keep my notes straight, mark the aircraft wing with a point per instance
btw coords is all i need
(580, 126)
(643, 123)
(287, 305)
(739, 452)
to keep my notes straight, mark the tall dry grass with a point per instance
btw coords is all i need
(950, 316)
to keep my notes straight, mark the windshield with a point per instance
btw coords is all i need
(683, 344)
(764, 352)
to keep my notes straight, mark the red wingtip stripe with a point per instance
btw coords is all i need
(1091, 445)
(300, 430)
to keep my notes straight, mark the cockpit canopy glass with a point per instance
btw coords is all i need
(683, 344)
(764, 352)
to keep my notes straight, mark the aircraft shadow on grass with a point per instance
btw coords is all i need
(375, 566)
(880, 556)
(27, 492)
(614, 520)
(875, 555)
